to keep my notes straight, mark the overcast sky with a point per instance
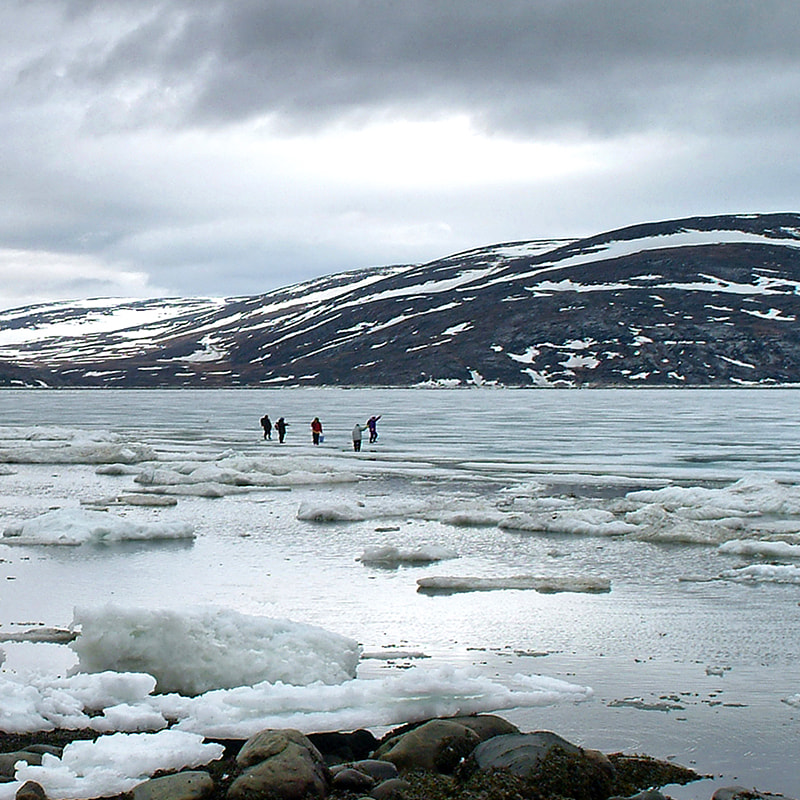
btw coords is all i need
(229, 147)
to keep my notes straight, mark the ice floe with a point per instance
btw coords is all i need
(391, 556)
(477, 518)
(210, 648)
(763, 573)
(752, 547)
(331, 511)
(68, 526)
(47, 445)
(542, 584)
(792, 700)
(232, 473)
(752, 495)
(582, 521)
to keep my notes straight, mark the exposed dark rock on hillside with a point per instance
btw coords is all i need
(702, 301)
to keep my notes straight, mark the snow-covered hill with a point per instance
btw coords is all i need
(701, 301)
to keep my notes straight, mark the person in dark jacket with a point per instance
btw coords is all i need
(281, 425)
(266, 424)
(372, 424)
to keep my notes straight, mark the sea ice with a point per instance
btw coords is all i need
(113, 764)
(763, 573)
(34, 702)
(749, 547)
(41, 445)
(210, 648)
(419, 692)
(231, 473)
(389, 555)
(467, 519)
(69, 526)
(331, 511)
(583, 522)
(752, 495)
(544, 585)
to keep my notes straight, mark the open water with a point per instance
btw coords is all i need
(693, 653)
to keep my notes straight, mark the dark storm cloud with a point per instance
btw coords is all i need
(231, 146)
(578, 65)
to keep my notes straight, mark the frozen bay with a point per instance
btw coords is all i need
(685, 503)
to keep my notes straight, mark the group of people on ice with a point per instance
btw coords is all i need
(316, 430)
(371, 426)
(280, 427)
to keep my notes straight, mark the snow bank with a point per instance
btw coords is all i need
(211, 648)
(113, 764)
(391, 556)
(758, 548)
(78, 526)
(544, 585)
(68, 446)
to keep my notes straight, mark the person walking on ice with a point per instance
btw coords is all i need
(281, 425)
(316, 430)
(357, 431)
(372, 424)
(266, 424)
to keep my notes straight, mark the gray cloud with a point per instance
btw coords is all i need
(193, 143)
(522, 65)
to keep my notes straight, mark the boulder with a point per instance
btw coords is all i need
(376, 769)
(393, 789)
(190, 785)
(8, 760)
(436, 746)
(350, 779)
(30, 790)
(338, 748)
(740, 793)
(521, 753)
(549, 760)
(282, 765)
(487, 726)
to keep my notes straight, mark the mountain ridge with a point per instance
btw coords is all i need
(699, 301)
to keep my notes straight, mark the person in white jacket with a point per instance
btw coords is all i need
(357, 431)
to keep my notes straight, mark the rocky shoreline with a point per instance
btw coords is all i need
(477, 757)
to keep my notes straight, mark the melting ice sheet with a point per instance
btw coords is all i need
(680, 508)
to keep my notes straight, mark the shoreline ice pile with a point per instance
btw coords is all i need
(222, 673)
(112, 764)
(192, 652)
(307, 681)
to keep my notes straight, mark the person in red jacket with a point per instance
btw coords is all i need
(316, 430)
